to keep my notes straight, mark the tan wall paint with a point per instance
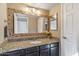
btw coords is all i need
(54, 10)
(3, 17)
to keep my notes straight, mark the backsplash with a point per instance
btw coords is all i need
(29, 37)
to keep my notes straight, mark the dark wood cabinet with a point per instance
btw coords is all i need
(54, 51)
(33, 51)
(43, 50)
(15, 53)
(44, 47)
(2, 54)
(33, 54)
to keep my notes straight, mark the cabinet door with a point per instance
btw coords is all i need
(22, 52)
(33, 54)
(44, 52)
(32, 49)
(55, 51)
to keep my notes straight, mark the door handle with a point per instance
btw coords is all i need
(64, 37)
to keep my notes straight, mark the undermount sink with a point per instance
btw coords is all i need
(35, 42)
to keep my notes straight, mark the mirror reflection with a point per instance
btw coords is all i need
(53, 22)
(24, 23)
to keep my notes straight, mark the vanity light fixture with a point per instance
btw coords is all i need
(33, 11)
(27, 9)
(38, 12)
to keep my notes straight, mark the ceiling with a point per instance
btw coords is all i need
(46, 6)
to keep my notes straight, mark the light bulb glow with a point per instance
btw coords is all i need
(33, 11)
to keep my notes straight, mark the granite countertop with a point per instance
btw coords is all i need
(11, 46)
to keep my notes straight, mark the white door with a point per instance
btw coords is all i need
(69, 25)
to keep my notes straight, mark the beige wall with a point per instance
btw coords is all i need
(3, 17)
(54, 10)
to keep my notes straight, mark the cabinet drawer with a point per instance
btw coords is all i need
(3, 54)
(54, 44)
(44, 52)
(15, 53)
(33, 54)
(44, 47)
(32, 49)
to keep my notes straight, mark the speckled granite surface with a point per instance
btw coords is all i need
(10, 46)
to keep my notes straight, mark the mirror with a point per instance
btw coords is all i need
(24, 23)
(53, 22)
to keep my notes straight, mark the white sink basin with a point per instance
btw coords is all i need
(35, 42)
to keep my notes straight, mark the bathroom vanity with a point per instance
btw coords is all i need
(47, 47)
(42, 50)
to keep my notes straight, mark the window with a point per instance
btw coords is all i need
(54, 22)
(20, 23)
(53, 25)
